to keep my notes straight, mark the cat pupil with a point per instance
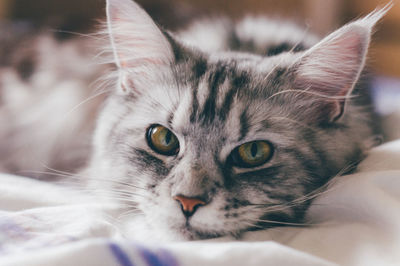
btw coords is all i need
(168, 138)
(254, 149)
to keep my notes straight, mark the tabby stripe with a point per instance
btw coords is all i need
(171, 116)
(284, 47)
(244, 125)
(179, 53)
(237, 83)
(273, 193)
(147, 162)
(199, 69)
(195, 104)
(319, 154)
(215, 80)
(226, 105)
(279, 72)
(328, 168)
(308, 163)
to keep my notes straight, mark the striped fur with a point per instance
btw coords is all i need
(215, 89)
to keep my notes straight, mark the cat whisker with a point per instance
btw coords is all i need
(307, 91)
(282, 222)
(127, 193)
(102, 85)
(279, 118)
(79, 177)
(114, 192)
(83, 102)
(305, 32)
(113, 221)
(114, 195)
(313, 194)
(22, 172)
(128, 213)
(122, 199)
(109, 193)
(91, 36)
(287, 205)
(251, 224)
(278, 64)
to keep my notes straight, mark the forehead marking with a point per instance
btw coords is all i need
(215, 80)
(199, 69)
(238, 82)
(244, 125)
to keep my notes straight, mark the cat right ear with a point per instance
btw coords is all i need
(331, 68)
(136, 41)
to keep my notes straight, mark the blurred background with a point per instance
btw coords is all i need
(321, 16)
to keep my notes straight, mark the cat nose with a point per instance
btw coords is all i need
(189, 205)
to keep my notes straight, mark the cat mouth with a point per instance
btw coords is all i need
(191, 233)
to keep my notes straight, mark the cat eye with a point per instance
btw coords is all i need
(252, 154)
(162, 140)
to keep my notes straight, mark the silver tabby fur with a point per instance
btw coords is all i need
(217, 87)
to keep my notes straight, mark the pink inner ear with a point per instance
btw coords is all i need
(333, 65)
(136, 40)
(351, 45)
(331, 68)
(138, 62)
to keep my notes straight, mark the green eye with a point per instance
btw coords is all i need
(162, 140)
(252, 154)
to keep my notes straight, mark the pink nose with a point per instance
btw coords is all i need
(189, 205)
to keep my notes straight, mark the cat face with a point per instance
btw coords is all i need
(204, 145)
(226, 112)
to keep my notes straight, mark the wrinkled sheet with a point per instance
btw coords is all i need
(356, 221)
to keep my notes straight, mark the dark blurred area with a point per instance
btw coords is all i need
(320, 16)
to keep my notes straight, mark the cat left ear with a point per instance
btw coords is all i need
(135, 38)
(331, 68)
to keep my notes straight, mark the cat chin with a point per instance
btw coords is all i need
(138, 228)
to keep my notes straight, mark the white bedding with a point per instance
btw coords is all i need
(357, 222)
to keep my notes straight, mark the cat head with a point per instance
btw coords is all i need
(201, 145)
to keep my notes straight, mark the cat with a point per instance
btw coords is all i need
(204, 138)
(224, 127)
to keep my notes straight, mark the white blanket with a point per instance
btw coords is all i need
(357, 223)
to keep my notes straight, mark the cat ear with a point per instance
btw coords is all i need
(331, 68)
(135, 38)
